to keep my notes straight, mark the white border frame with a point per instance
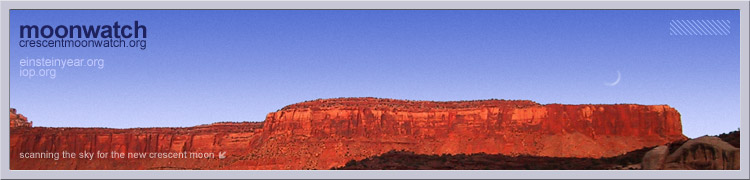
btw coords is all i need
(5, 172)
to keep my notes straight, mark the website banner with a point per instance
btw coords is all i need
(332, 90)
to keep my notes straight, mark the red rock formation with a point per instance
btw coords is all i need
(322, 134)
(231, 138)
(18, 120)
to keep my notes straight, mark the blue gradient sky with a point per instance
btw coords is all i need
(207, 66)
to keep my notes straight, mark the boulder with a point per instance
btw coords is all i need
(705, 153)
(654, 159)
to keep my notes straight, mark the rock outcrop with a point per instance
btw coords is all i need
(703, 153)
(327, 133)
(18, 120)
(654, 159)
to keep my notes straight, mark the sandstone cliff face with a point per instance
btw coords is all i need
(327, 133)
(232, 138)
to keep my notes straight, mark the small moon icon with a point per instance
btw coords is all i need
(616, 81)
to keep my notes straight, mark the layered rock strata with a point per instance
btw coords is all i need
(326, 133)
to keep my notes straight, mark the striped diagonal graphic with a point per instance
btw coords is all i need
(699, 27)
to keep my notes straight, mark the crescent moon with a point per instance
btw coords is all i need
(616, 81)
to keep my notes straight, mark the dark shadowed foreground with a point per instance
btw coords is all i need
(405, 160)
